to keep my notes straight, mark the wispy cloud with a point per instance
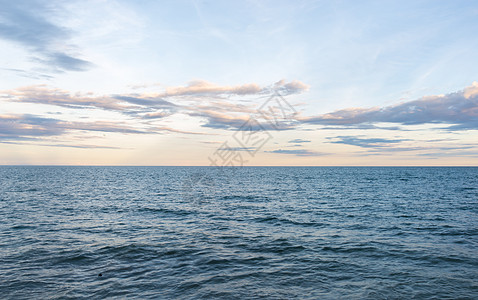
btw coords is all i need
(42, 94)
(28, 74)
(298, 141)
(387, 146)
(298, 152)
(207, 103)
(289, 88)
(27, 23)
(156, 115)
(145, 112)
(202, 87)
(205, 88)
(435, 155)
(26, 127)
(366, 142)
(458, 110)
(77, 146)
(162, 129)
(21, 127)
(145, 101)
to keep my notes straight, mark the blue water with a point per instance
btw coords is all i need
(245, 233)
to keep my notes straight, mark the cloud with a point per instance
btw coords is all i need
(219, 120)
(364, 127)
(145, 101)
(211, 142)
(60, 62)
(26, 127)
(366, 142)
(449, 154)
(220, 112)
(458, 110)
(205, 88)
(234, 149)
(202, 87)
(26, 23)
(230, 121)
(168, 129)
(453, 151)
(102, 126)
(471, 91)
(42, 94)
(288, 88)
(298, 141)
(63, 145)
(30, 127)
(298, 152)
(385, 146)
(28, 74)
(156, 115)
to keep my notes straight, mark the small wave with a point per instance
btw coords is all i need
(457, 232)
(74, 258)
(17, 227)
(280, 246)
(241, 197)
(351, 249)
(140, 252)
(276, 220)
(166, 211)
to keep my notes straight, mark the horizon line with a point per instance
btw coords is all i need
(271, 166)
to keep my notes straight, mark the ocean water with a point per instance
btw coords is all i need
(244, 233)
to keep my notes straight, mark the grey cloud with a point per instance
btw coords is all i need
(219, 113)
(248, 149)
(62, 145)
(205, 88)
(30, 127)
(380, 146)
(298, 152)
(150, 102)
(289, 88)
(168, 129)
(101, 127)
(42, 94)
(202, 87)
(60, 62)
(80, 146)
(365, 142)
(28, 74)
(363, 127)
(242, 122)
(450, 154)
(156, 115)
(26, 23)
(24, 127)
(298, 141)
(458, 110)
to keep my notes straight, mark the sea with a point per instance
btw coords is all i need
(238, 233)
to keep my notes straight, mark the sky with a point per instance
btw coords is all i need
(233, 83)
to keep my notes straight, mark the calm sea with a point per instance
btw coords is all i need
(245, 233)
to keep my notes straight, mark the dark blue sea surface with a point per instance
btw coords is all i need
(238, 233)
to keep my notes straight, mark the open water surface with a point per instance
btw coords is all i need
(243, 233)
